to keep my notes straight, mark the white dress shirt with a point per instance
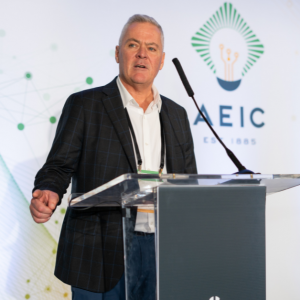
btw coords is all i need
(146, 126)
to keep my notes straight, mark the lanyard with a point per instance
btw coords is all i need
(137, 151)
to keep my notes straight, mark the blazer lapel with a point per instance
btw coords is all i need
(115, 110)
(169, 136)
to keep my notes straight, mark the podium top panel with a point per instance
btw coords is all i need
(142, 186)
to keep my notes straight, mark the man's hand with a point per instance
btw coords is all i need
(42, 205)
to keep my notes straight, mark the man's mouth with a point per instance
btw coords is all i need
(140, 66)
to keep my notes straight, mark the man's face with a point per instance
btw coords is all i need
(140, 54)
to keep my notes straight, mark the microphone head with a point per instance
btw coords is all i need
(183, 77)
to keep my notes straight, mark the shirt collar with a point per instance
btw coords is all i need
(127, 98)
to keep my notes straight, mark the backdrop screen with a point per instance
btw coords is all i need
(242, 59)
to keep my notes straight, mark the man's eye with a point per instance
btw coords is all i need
(131, 45)
(152, 49)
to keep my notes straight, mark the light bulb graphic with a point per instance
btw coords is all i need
(228, 63)
(228, 46)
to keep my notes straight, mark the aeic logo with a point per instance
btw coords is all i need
(228, 46)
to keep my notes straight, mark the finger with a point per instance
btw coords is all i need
(40, 220)
(42, 196)
(52, 202)
(38, 214)
(38, 217)
(36, 220)
(41, 207)
(37, 193)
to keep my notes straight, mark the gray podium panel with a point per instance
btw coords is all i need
(211, 243)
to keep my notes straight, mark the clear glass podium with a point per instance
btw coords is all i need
(191, 236)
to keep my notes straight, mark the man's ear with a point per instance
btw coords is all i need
(162, 61)
(117, 54)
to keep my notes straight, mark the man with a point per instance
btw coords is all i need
(93, 145)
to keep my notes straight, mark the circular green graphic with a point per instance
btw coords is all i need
(52, 120)
(56, 222)
(28, 75)
(89, 80)
(21, 126)
(27, 296)
(63, 211)
(28, 280)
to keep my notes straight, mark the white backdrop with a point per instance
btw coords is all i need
(50, 49)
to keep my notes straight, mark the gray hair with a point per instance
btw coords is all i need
(141, 19)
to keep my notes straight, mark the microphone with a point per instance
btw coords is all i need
(190, 92)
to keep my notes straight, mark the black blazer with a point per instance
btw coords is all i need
(92, 146)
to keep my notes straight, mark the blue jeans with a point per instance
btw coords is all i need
(142, 277)
(117, 293)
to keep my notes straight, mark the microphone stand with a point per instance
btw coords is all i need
(190, 92)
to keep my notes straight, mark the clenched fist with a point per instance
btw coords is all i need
(42, 205)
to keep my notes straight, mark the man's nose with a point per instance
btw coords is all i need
(142, 53)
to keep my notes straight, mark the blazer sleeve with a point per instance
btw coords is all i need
(190, 160)
(65, 152)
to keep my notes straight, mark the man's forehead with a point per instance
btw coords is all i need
(139, 41)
